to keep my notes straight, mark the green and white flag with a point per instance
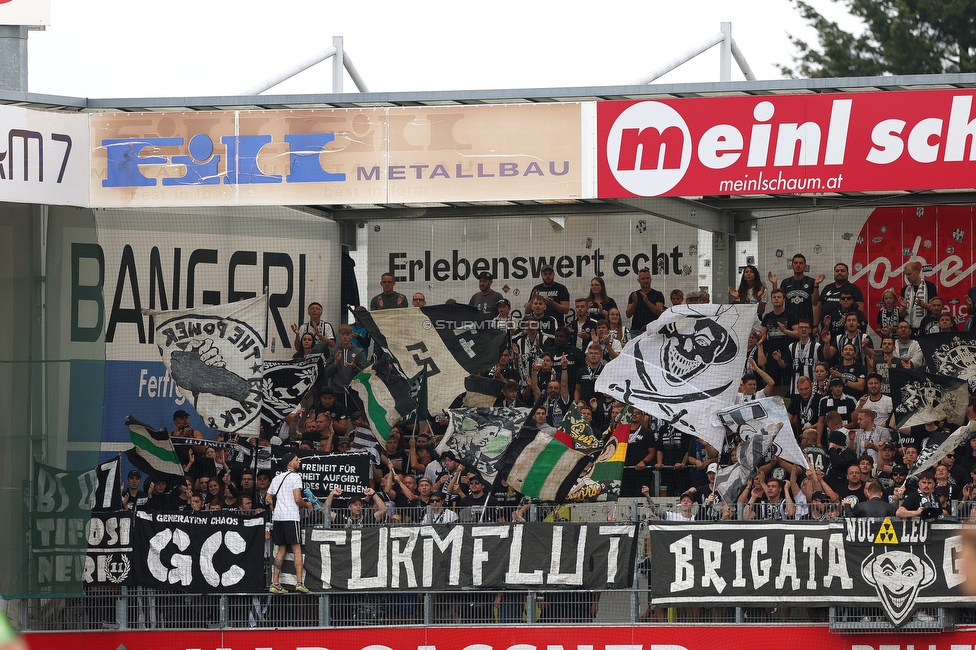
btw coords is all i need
(152, 452)
(543, 468)
(385, 394)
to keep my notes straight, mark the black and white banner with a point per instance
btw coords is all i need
(464, 344)
(897, 564)
(109, 559)
(216, 552)
(284, 384)
(214, 353)
(921, 397)
(321, 472)
(952, 354)
(505, 556)
(685, 368)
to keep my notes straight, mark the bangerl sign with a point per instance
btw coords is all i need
(911, 140)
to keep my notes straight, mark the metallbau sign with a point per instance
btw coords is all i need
(339, 156)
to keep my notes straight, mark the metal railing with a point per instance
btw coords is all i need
(144, 608)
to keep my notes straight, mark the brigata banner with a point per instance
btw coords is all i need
(505, 637)
(895, 564)
(812, 143)
(504, 556)
(212, 552)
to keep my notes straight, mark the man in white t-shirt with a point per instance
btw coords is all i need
(287, 501)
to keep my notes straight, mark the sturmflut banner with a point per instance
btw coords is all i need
(504, 556)
(896, 564)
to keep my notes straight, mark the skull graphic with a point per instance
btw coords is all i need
(898, 576)
(691, 345)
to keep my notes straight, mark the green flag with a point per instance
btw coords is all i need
(385, 395)
(539, 466)
(152, 450)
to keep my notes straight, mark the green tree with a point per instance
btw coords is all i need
(900, 37)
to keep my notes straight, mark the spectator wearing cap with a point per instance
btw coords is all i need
(528, 345)
(886, 461)
(709, 502)
(644, 305)
(422, 460)
(132, 497)
(821, 507)
(895, 491)
(183, 429)
(448, 480)
(944, 495)
(321, 330)
(486, 300)
(504, 320)
(838, 402)
(439, 513)
(554, 295)
(357, 514)
(477, 504)
(842, 458)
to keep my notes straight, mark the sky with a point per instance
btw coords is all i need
(192, 48)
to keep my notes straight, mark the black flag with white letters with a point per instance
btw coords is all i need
(450, 341)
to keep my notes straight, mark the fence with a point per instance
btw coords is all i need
(143, 608)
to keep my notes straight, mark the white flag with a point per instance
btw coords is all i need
(214, 354)
(764, 416)
(685, 367)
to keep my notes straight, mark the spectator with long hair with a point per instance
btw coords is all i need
(751, 289)
(617, 330)
(598, 302)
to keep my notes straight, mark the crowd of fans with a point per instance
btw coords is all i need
(815, 348)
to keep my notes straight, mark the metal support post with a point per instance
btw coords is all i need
(725, 59)
(338, 68)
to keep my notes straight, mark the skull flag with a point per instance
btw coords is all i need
(686, 367)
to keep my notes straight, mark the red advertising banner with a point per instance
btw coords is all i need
(504, 638)
(918, 140)
(940, 238)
